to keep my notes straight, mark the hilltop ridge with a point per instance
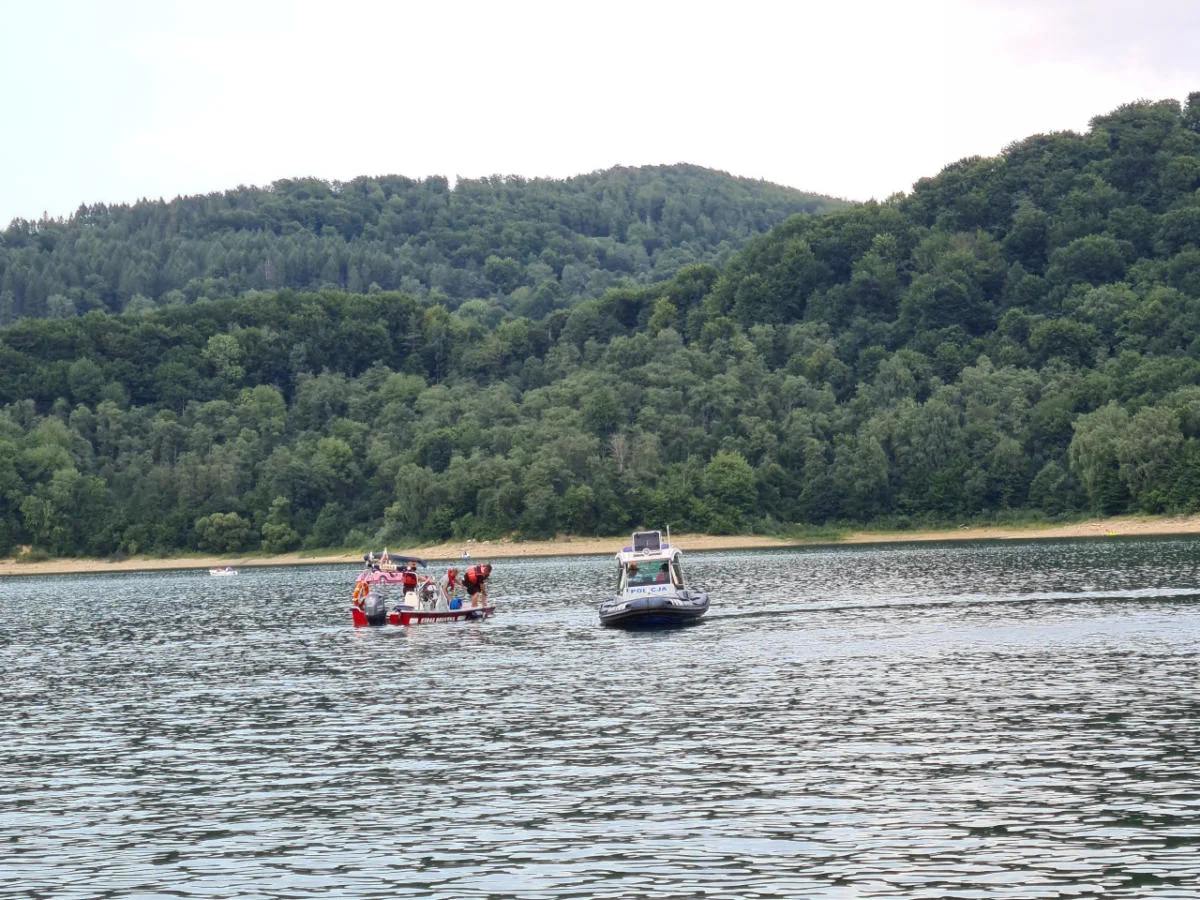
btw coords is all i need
(532, 244)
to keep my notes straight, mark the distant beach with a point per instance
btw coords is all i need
(1123, 526)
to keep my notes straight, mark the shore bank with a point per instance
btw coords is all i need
(483, 551)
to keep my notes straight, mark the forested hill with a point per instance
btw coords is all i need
(1018, 336)
(533, 245)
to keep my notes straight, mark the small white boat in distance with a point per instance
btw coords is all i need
(222, 573)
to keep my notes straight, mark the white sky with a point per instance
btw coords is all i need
(117, 100)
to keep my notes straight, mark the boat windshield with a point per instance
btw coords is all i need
(653, 572)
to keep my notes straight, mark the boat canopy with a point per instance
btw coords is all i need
(385, 558)
(646, 545)
(647, 540)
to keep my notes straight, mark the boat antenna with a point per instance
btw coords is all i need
(668, 534)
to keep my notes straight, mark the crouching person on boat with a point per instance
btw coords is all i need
(476, 583)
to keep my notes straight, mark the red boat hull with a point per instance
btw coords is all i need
(426, 617)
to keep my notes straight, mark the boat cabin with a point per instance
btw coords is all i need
(648, 566)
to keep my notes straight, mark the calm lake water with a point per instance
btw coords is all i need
(992, 720)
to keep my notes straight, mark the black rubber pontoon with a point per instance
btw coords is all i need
(680, 608)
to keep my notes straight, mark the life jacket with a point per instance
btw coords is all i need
(408, 578)
(474, 576)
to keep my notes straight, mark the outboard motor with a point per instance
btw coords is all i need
(375, 610)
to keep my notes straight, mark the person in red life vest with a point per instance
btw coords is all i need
(408, 578)
(476, 583)
(448, 584)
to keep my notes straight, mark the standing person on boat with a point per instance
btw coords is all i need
(448, 584)
(476, 583)
(408, 578)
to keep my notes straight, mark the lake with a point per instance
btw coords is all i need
(973, 720)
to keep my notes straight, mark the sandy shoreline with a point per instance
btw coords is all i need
(1124, 526)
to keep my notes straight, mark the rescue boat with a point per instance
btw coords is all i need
(650, 587)
(422, 601)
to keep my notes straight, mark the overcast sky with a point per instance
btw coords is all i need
(120, 100)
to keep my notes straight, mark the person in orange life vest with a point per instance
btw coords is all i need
(408, 578)
(476, 583)
(662, 576)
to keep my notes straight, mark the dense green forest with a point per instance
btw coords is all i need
(532, 246)
(1018, 336)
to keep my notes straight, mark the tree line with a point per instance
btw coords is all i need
(1016, 337)
(532, 245)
